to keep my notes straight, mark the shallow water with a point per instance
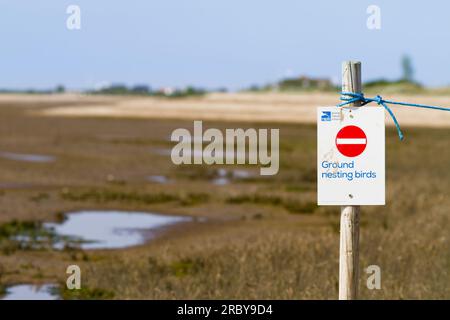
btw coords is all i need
(26, 157)
(158, 179)
(31, 292)
(112, 229)
(221, 181)
(241, 174)
(222, 177)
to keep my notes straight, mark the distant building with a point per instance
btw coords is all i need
(167, 91)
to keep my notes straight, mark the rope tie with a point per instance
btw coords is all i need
(351, 97)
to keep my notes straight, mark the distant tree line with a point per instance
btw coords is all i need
(145, 90)
(121, 89)
(302, 83)
(57, 89)
(405, 83)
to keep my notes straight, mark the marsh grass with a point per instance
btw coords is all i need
(291, 204)
(280, 258)
(180, 268)
(253, 245)
(107, 196)
(15, 227)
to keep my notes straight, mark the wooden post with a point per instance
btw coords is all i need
(349, 244)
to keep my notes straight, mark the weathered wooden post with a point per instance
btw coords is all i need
(349, 230)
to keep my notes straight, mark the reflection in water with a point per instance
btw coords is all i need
(224, 177)
(112, 229)
(31, 292)
(26, 157)
(241, 174)
(159, 179)
(221, 181)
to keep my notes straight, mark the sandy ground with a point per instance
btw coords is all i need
(263, 107)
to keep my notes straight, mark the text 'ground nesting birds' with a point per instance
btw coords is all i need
(350, 156)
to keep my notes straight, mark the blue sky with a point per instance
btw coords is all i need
(217, 43)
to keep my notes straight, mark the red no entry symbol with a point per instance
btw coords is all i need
(351, 141)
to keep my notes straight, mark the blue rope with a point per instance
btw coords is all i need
(351, 97)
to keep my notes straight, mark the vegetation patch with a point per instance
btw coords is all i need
(19, 227)
(300, 207)
(256, 198)
(290, 205)
(31, 235)
(186, 267)
(297, 188)
(192, 199)
(105, 196)
(84, 293)
(179, 268)
(39, 197)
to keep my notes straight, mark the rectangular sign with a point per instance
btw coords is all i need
(350, 156)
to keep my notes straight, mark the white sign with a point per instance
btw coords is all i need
(350, 156)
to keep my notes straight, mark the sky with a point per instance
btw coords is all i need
(217, 43)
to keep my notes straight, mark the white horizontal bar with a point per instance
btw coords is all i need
(351, 141)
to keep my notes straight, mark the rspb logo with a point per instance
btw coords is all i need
(326, 116)
(329, 116)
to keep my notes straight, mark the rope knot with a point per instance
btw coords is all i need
(378, 99)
